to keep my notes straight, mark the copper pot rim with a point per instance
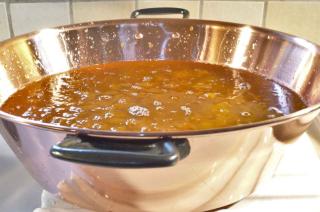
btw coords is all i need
(105, 133)
(157, 134)
(86, 25)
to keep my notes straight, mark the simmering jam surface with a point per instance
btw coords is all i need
(153, 96)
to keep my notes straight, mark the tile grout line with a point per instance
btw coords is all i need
(38, 1)
(264, 17)
(9, 19)
(71, 11)
(201, 9)
(136, 6)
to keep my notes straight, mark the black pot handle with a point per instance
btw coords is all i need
(160, 11)
(124, 153)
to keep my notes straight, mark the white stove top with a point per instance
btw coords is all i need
(294, 186)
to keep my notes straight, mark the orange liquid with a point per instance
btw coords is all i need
(153, 96)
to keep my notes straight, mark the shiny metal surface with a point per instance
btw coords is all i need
(223, 165)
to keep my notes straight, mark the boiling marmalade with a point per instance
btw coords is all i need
(153, 96)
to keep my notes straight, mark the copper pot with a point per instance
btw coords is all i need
(178, 171)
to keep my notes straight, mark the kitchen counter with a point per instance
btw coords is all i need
(295, 184)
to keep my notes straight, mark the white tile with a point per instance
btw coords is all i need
(245, 12)
(300, 18)
(102, 10)
(28, 17)
(192, 6)
(4, 26)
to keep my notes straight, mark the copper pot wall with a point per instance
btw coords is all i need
(191, 170)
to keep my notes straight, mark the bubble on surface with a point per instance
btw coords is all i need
(187, 110)
(157, 103)
(97, 118)
(67, 115)
(254, 45)
(138, 36)
(138, 111)
(159, 108)
(150, 45)
(146, 78)
(104, 97)
(122, 101)
(108, 115)
(96, 126)
(113, 129)
(131, 121)
(175, 35)
(136, 87)
(143, 129)
(27, 113)
(245, 114)
(244, 86)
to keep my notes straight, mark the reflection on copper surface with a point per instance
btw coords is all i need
(240, 53)
(5, 84)
(24, 58)
(282, 99)
(186, 187)
(55, 86)
(164, 47)
(306, 62)
(209, 48)
(51, 51)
